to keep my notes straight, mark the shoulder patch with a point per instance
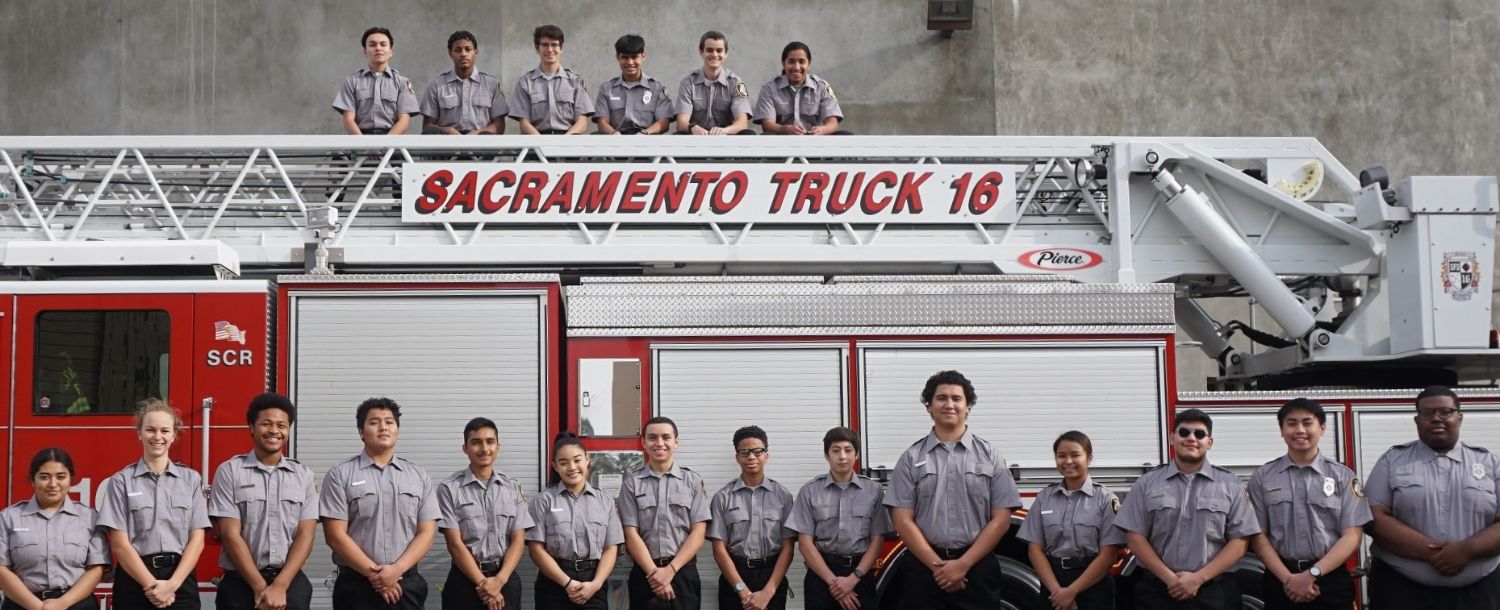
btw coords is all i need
(409, 88)
(829, 92)
(521, 491)
(1114, 504)
(1356, 488)
(741, 90)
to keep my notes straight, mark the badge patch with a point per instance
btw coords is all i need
(830, 93)
(1328, 486)
(409, 89)
(1356, 489)
(1114, 505)
(646, 97)
(740, 90)
(1460, 273)
(1479, 471)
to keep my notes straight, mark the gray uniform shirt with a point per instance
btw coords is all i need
(156, 512)
(377, 98)
(840, 518)
(382, 505)
(464, 104)
(1304, 509)
(1073, 524)
(808, 105)
(663, 507)
(269, 501)
(483, 512)
(952, 487)
(713, 103)
(633, 105)
(50, 551)
(550, 101)
(751, 520)
(1188, 518)
(1446, 497)
(575, 527)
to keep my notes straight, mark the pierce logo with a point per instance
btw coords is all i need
(1060, 259)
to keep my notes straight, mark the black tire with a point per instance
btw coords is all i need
(1019, 586)
(1251, 603)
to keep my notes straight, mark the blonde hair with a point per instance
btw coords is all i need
(156, 405)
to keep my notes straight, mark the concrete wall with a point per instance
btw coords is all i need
(1410, 85)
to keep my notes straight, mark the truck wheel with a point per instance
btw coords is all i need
(1251, 603)
(1020, 589)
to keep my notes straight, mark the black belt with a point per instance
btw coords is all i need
(662, 562)
(490, 568)
(374, 131)
(51, 594)
(1071, 563)
(268, 572)
(843, 561)
(1298, 565)
(161, 560)
(951, 554)
(746, 563)
(552, 132)
(578, 565)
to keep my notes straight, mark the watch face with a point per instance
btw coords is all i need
(1315, 571)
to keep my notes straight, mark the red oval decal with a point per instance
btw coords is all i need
(1060, 259)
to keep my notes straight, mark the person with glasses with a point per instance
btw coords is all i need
(1188, 521)
(1312, 517)
(1437, 540)
(841, 526)
(665, 514)
(751, 543)
(950, 498)
(550, 99)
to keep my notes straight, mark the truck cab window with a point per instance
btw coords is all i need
(99, 362)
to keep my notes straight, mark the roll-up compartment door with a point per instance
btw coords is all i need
(1378, 431)
(1027, 395)
(445, 359)
(795, 394)
(1244, 440)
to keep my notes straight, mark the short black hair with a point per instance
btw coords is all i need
(1076, 437)
(50, 454)
(787, 50)
(462, 35)
(564, 439)
(840, 434)
(546, 31)
(750, 432)
(660, 419)
(630, 44)
(1196, 415)
(377, 403)
(270, 400)
(712, 35)
(477, 423)
(377, 30)
(1434, 391)
(1301, 404)
(949, 378)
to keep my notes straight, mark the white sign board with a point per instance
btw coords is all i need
(731, 193)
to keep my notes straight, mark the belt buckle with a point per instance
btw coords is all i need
(161, 561)
(1304, 565)
(578, 564)
(51, 594)
(1065, 563)
(753, 564)
(492, 567)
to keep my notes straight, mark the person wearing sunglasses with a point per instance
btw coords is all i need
(751, 543)
(1312, 516)
(664, 511)
(950, 497)
(1437, 540)
(1187, 521)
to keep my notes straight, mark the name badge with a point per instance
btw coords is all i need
(133, 494)
(557, 509)
(21, 529)
(1479, 471)
(1046, 512)
(1328, 486)
(357, 483)
(919, 464)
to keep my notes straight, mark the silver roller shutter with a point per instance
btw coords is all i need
(1243, 440)
(446, 359)
(1028, 394)
(1379, 430)
(795, 394)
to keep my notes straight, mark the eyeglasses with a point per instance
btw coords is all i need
(1198, 433)
(549, 45)
(756, 452)
(1439, 413)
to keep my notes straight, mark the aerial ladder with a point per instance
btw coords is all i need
(1365, 279)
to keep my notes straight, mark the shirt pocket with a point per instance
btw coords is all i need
(252, 503)
(25, 548)
(448, 101)
(1162, 513)
(1480, 494)
(1213, 510)
(1408, 495)
(471, 522)
(927, 483)
(292, 502)
(1278, 512)
(182, 508)
(680, 498)
(408, 501)
(645, 508)
(1326, 510)
(978, 480)
(736, 525)
(565, 93)
(363, 502)
(142, 511)
(1086, 526)
(559, 533)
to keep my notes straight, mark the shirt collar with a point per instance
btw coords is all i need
(1206, 471)
(932, 441)
(141, 470)
(452, 76)
(389, 71)
(700, 77)
(674, 471)
(248, 460)
(782, 83)
(365, 461)
(1285, 463)
(739, 483)
(853, 480)
(1425, 453)
(32, 507)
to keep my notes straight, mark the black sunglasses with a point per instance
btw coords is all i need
(1198, 433)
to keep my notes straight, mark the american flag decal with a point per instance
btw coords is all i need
(224, 331)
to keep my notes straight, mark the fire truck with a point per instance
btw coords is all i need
(798, 284)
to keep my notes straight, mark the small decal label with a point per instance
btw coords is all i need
(1329, 486)
(1060, 259)
(224, 331)
(357, 483)
(1479, 471)
(1460, 273)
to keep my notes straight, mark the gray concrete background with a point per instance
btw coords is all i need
(1406, 84)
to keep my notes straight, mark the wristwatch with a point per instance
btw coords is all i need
(858, 573)
(1315, 571)
(739, 586)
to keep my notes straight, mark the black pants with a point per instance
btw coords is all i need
(815, 594)
(755, 578)
(88, 603)
(1101, 596)
(685, 584)
(1392, 590)
(236, 594)
(353, 592)
(920, 589)
(128, 594)
(1336, 590)
(459, 592)
(1221, 593)
(551, 595)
